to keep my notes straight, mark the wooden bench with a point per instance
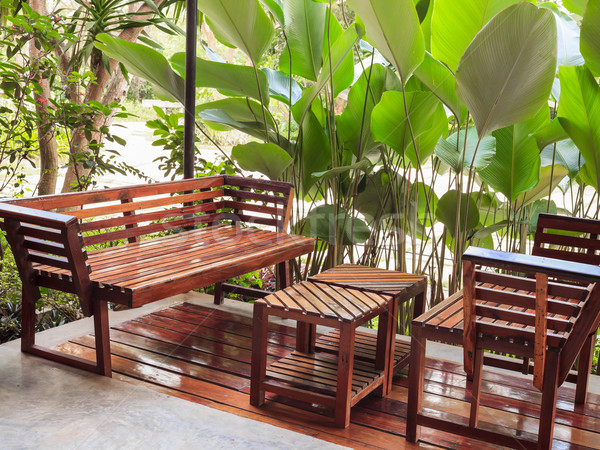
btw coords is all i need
(545, 309)
(157, 240)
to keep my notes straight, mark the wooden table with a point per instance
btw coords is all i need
(402, 287)
(351, 364)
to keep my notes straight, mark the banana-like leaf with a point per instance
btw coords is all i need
(446, 212)
(579, 115)
(516, 166)
(568, 34)
(566, 154)
(550, 176)
(344, 75)
(440, 81)
(322, 222)
(243, 24)
(244, 115)
(268, 159)
(146, 63)
(576, 6)
(304, 24)
(339, 50)
(549, 134)
(275, 7)
(389, 121)
(363, 165)
(505, 76)
(315, 151)
(393, 28)
(590, 36)
(354, 124)
(455, 23)
(229, 79)
(458, 154)
(279, 86)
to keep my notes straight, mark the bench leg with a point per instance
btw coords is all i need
(583, 368)
(416, 375)
(27, 322)
(548, 407)
(343, 395)
(219, 297)
(306, 336)
(102, 337)
(259, 354)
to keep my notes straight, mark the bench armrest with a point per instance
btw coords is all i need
(533, 264)
(47, 238)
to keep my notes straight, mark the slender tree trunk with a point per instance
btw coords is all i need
(46, 138)
(117, 89)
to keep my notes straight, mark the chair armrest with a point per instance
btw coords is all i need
(533, 264)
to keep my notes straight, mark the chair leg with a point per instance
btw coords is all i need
(583, 368)
(548, 407)
(476, 388)
(102, 337)
(416, 375)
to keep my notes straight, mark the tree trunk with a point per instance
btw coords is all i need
(46, 138)
(117, 89)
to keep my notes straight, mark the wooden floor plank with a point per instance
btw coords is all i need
(202, 354)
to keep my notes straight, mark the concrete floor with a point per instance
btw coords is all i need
(48, 405)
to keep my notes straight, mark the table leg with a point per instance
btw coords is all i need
(386, 340)
(306, 335)
(343, 396)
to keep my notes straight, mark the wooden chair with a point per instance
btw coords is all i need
(549, 313)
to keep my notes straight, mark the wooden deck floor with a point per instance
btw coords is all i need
(202, 355)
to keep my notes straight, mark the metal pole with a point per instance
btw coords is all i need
(189, 130)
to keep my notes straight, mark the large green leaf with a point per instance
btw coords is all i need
(389, 120)
(505, 76)
(243, 24)
(354, 124)
(393, 28)
(550, 133)
(304, 24)
(440, 81)
(550, 176)
(268, 159)
(339, 50)
(145, 63)
(244, 115)
(564, 153)
(343, 76)
(446, 212)
(567, 37)
(579, 115)
(458, 154)
(324, 223)
(275, 7)
(230, 79)
(516, 166)
(282, 85)
(590, 36)
(576, 6)
(315, 151)
(455, 23)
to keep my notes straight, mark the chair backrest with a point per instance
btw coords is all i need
(567, 238)
(521, 315)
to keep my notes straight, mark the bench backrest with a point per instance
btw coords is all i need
(129, 213)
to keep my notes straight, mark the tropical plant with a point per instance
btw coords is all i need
(413, 141)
